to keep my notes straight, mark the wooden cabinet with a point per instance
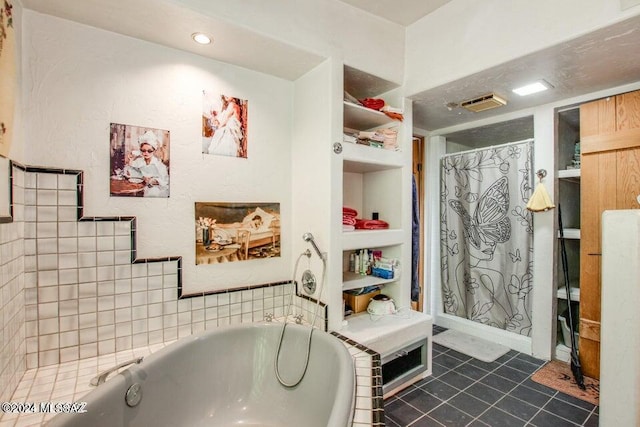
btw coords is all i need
(610, 140)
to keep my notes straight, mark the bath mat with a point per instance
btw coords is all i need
(558, 376)
(471, 346)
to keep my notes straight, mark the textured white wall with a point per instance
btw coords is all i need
(78, 79)
(464, 37)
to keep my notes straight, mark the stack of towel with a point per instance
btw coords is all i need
(348, 218)
(350, 221)
(381, 138)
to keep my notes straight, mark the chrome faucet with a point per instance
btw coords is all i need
(102, 377)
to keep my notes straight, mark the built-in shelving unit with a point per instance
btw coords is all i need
(377, 181)
(373, 181)
(568, 197)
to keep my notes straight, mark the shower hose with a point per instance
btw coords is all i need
(284, 326)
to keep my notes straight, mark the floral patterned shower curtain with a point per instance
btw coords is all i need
(486, 236)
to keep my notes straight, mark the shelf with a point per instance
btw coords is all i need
(570, 233)
(362, 158)
(362, 118)
(569, 173)
(356, 281)
(575, 293)
(358, 239)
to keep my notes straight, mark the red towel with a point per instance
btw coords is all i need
(373, 103)
(348, 219)
(371, 224)
(349, 212)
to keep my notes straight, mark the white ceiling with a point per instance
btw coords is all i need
(403, 12)
(596, 61)
(167, 22)
(603, 59)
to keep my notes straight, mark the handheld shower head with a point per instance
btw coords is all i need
(308, 237)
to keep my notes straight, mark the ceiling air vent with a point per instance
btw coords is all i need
(484, 102)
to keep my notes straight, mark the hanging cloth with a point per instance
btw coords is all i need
(415, 242)
(540, 200)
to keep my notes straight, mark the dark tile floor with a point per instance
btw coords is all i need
(464, 391)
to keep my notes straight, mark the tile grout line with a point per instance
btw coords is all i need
(505, 394)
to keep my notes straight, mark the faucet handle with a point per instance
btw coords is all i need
(102, 377)
(268, 317)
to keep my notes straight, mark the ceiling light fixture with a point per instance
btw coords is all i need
(531, 88)
(201, 38)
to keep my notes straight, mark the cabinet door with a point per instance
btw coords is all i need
(628, 111)
(598, 117)
(628, 179)
(598, 185)
(610, 135)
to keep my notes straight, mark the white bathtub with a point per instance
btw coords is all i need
(225, 377)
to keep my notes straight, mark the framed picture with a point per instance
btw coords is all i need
(8, 76)
(139, 161)
(224, 125)
(229, 232)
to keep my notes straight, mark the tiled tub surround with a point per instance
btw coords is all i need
(369, 408)
(76, 300)
(12, 308)
(87, 295)
(69, 382)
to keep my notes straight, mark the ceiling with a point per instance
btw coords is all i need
(595, 61)
(170, 23)
(403, 12)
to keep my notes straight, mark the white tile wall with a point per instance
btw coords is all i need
(84, 298)
(69, 294)
(12, 292)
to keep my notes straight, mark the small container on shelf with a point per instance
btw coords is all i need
(359, 303)
(382, 273)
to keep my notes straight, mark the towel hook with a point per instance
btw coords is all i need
(541, 173)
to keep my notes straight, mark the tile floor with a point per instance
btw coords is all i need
(464, 391)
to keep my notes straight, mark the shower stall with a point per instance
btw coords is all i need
(486, 244)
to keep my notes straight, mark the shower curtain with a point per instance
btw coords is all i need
(486, 235)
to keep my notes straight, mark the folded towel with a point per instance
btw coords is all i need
(371, 224)
(370, 135)
(373, 103)
(349, 211)
(347, 219)
(390, 109)
(346, 227)
(349, 138)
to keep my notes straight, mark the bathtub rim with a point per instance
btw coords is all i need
(341, 409)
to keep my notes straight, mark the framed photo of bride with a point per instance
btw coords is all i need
(224, 125)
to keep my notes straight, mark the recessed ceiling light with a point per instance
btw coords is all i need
(201, 38)
(531, 88)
